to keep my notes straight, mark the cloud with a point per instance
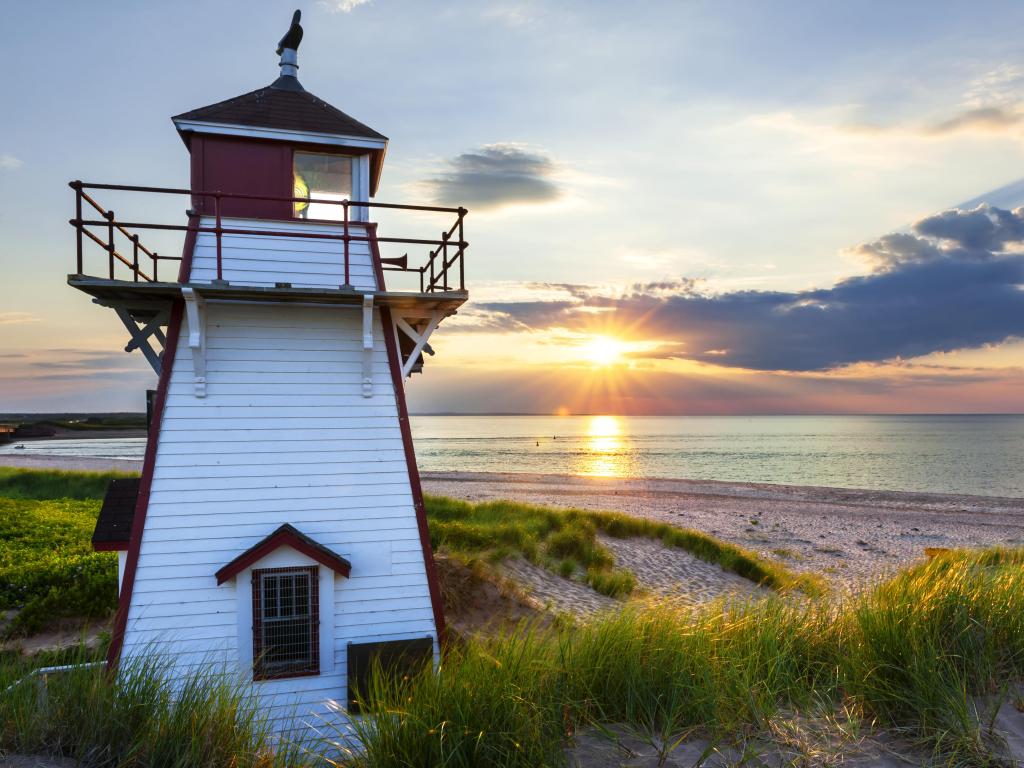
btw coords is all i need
(953, 283)
(17, 318)
(93, 360)
(9, 162)
(987, 119)
(342, 6)
(496, 175)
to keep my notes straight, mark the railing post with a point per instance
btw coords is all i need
(444, 261)
(156, 266)
(430, 285)
(135, 257)
(421, 271)
(216, 211)
(344, 206)
(109, 216)
(462, 253)
(77, 185)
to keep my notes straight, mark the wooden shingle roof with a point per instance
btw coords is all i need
(114, 525)
(288, 109)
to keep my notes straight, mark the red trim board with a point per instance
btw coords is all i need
(394, 362)
(146, 483)
(285, 536)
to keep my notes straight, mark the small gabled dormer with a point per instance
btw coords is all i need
(282, 141)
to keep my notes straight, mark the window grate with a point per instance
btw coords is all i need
(286, 622)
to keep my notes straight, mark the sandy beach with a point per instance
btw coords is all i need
(848, 535)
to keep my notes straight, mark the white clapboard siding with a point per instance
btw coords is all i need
(264, 260)
(283, 435)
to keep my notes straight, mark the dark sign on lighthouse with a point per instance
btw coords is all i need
(278, 526)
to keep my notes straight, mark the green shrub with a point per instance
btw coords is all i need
(48, 569)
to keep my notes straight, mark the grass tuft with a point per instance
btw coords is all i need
(136, 718)
(566, 542)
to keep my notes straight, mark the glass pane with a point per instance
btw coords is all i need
(269, 597)
(301, 594)
(287, 604)
(327, 177)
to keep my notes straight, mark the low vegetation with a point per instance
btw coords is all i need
(917, 655)
(48, 569)
(50, 484)
(565, 541)
(134, 718)
(923, 655)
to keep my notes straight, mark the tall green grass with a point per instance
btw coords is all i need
(911, 654)
(53, 484)
(136, 718)
(565, 541)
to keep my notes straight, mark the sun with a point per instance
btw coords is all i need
(604, 350)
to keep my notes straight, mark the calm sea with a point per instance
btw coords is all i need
(946, 454)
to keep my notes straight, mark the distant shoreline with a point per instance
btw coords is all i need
(84, 434)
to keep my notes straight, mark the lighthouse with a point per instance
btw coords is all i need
(277, 529)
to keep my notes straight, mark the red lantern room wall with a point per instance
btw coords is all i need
(278, 526)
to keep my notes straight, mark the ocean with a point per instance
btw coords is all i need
(981, 455)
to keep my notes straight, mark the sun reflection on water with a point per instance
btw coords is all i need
(606, 451)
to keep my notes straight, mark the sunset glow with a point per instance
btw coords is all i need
(607, 451)
(632, 276)
(604, 350)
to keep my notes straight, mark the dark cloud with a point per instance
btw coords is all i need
(951, 284)
(496, 175)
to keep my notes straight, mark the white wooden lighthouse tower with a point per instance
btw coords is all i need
(278, 526)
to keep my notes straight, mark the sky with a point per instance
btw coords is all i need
(675, 208)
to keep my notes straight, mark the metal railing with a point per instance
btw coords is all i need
(443, 269)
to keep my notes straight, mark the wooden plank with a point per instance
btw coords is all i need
(339, 453)
(311, 506)
(344, 520)
(255, 494)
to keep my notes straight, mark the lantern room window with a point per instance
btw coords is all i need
(324, 177)
(285, 637)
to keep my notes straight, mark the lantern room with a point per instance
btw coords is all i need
(282, 141)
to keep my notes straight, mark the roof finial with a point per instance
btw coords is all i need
(288, 49)
(293, 36)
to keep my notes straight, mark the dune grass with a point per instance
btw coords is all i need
(136, 718)
(911, 654)
(565, 541)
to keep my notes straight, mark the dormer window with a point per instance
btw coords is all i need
(325, 177)
(286, 622)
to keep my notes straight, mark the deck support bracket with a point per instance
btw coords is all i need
(419, 339)
(195, 310)
(142, 333)
(367, 345)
